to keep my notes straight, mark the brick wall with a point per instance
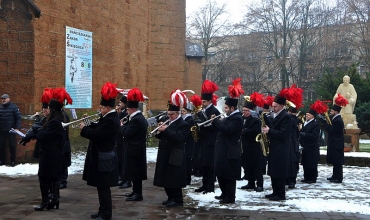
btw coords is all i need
(136, 43)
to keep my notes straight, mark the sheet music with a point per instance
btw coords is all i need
(16, 132)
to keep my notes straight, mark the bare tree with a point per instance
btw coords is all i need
(209, 26)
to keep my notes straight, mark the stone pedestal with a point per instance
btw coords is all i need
(355, 138)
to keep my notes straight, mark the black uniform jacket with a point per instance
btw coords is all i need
(102, 136)
(252, 151)
(51, 142)
(309, 140)
(335, 151)
(229, 131)
(279, 135)
(121, 115)
(172, 139)
(134, 139)
(207, 139)
(190, 143)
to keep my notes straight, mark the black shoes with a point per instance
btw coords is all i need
(173, 203)
(303, 181)
(310, 181)
(126, 184)
(1, 163)
(129, 194)
(135, 197)
(335, 181)
(259, 189)
(291, 186)
(95, 215)
(12, 164)
(247, 187)
(269, 195)
(277, 198)
(227, 201)
(220, 197)
(208, 191)
(329, 178)
(165, 202)
(62, 185)
(200, 189)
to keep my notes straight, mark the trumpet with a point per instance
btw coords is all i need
(209, 120)
(64, 125)
(156, 129)
(124, 119)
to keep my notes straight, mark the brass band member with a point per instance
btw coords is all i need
(227, 165)
(52, 137)
(189, 143)
(170, 170)
(134, 142)
(207, 139)
(279, 136)
(103, 137)
(122, 113)
(309, 139)
(335, 151)
(253, 158)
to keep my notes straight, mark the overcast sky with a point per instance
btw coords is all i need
(235, 8)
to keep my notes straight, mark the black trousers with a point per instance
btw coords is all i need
(64, 176)
(137, 187)
(253, 174)
(278, 186)
(105, 202)
(174, 194)
(228, 188)
(4, 137)
(209, 178)
(310, 174)
(338, 171)
(189, 168)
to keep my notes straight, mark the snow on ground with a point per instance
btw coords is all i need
(351, 196)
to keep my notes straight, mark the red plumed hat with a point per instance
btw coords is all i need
(293, 94)
(268, 101)
(318, 107)
(257, 99)
(59, 96)
(340, 102)
(134, 96)
(235, 90)
(47, 95)
(108, 94)
(208, 88)
(178, 100)
(214, 99)
(196, 100)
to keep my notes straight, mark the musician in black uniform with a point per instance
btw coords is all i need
(279, 135)
(122, 114)
(252, 156)
(170, 170)
(103, 138)
(335, 151)
(134, 142)
(207, 139)
(294, 150)
(309, 139)
(190, 143)
(227, 164)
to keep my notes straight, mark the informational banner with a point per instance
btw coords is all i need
(78, 72)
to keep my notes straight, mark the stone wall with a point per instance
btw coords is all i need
(137, 43)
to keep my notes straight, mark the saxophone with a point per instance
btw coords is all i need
(195, 129)
(262, 138)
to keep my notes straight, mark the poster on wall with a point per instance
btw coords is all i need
(78, 71)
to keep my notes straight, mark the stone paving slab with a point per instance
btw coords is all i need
(79, 201)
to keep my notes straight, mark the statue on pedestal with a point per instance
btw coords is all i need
(348, 91)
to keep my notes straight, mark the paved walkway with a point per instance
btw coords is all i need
(79, 201)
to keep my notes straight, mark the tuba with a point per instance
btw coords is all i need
(262, 138)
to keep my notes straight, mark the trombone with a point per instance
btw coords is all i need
(156, 129)
(209, 120)
(64, 125)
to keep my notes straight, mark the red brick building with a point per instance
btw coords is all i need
(136, 43)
